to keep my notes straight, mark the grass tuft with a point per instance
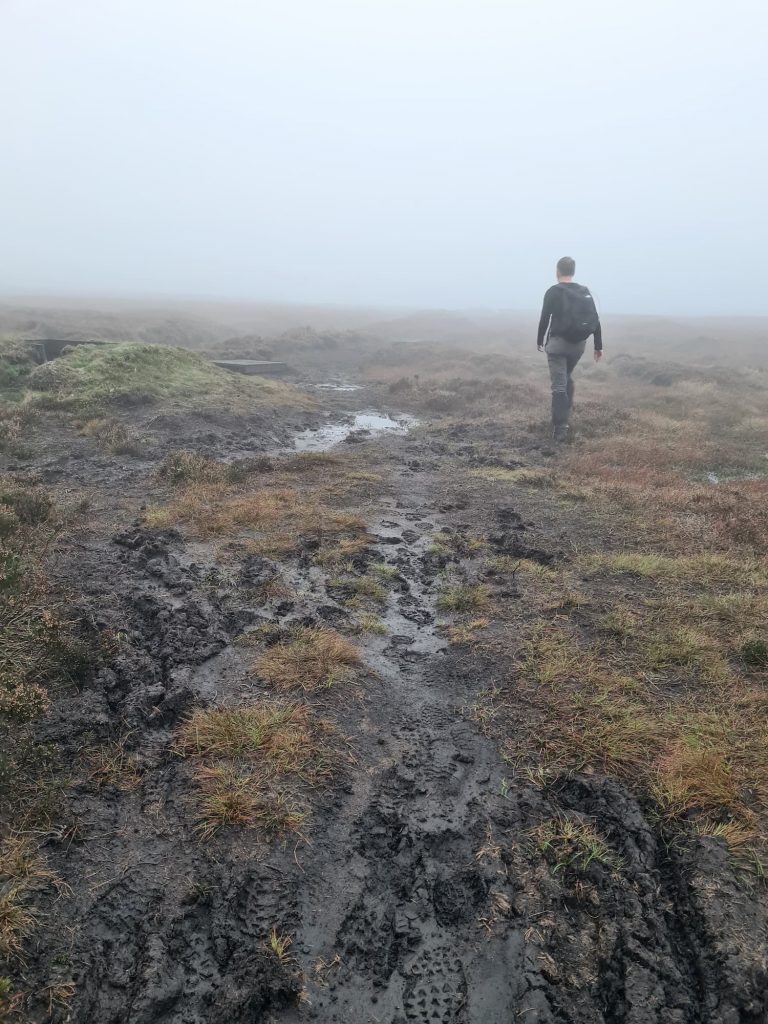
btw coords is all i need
(112, 436)
(39, 648)
(573, 845)
(22, 872)
(114, 765)
(279, 945)
(361, 586)
(249, 760)
(523, 477)
(310, 659)
(186, 467)
(695, 776)
(230, 796)
(278, 734)
(370, 623)
(706, 569)
(466, 634)
(754, 652)
(464, 597)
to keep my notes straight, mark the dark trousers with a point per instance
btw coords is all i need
(562, 357)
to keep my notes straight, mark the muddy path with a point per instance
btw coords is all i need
(416, 891)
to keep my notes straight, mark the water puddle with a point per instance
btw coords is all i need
(339, 386)
(320, 439)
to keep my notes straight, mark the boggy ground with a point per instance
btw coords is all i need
(436, 727)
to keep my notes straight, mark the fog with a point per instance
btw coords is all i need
(437, 153)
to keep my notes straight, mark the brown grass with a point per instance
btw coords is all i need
(22, 872)
(111, 436)
(17, 920)
(658, 466)
(114, 765)
(276, 517)
(229, 795)
(692, 777)
(15, 420)
(522, 476)
(183, 467)
(648, 664)
(282, 737)
(629, 702)
(312, 658)
(40, 650)
(250, 761)
(297, 510)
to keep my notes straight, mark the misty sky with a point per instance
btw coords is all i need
(411, 152)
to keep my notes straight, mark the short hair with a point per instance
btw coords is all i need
(566, 267)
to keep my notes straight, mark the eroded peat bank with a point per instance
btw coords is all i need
(308, 717)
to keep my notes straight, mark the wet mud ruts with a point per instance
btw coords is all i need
(418, 892)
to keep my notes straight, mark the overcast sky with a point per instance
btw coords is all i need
(411, 152)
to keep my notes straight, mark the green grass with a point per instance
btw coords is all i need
(707, 569)
(94, 377)
(251, 760)
(16, 364)
(574, 845)
(38, 647)
(439, 553)
(666, 647)
(464, 597)
(754, 652)
(361, 586)
(384, 572)
(367, 622)
(504, 565)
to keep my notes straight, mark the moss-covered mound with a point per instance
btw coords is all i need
(92, 377)
(16, 364)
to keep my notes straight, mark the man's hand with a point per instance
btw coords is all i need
(598, 354)
(540, 348)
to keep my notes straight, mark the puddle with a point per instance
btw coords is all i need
(338, 386)
(320, 439)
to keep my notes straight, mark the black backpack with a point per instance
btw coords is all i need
(578, 317)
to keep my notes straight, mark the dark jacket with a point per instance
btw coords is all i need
(551, 310)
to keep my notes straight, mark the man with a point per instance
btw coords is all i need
(568, 318)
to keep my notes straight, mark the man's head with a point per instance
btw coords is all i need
(566, 268)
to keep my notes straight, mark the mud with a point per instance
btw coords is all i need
(416, 892)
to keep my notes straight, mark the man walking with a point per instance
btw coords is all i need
(568, 318)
